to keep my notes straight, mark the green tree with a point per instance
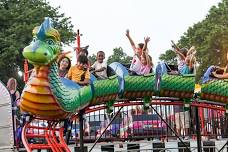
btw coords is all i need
(169, 57)
(92, 59)
(119, 56)
(210, 37)
(17, 19)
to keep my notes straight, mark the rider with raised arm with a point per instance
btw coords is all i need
(186, 59)
(141, 61)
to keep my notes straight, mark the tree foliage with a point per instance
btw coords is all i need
(210, 36)
(119, 56)
(169, 57)
(17, 19)
(92, 59)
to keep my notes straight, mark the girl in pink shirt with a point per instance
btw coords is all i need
(146, 64)
(146, 60)
(141, 62)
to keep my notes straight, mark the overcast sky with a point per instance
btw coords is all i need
(103, 22)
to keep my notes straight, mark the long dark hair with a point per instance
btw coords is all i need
(141, 45)
(63, 57)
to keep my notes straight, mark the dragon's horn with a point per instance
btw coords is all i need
(45, 26)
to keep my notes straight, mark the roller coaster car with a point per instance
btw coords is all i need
(110, 71)
(218, 70)
(146, 124)
(171, 67)
(216, 89)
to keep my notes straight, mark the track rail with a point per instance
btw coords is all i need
(46, 137)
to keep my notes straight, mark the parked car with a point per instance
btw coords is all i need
(143, 125)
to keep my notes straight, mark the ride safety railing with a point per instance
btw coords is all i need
(133, 122)
(166, 120)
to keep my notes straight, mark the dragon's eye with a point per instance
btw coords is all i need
(50, 42)
(34, 39)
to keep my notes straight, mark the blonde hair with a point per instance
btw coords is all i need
(12, 84)
(191, 51)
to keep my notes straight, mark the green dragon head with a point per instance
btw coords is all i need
(45, 46)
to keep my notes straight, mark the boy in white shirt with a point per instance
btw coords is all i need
(99, 68)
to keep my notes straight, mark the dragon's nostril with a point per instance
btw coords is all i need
(45, 54)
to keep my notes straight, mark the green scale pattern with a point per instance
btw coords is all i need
(216, 87)
(70, 100)
(140, 83)
(106, 87)
(185, 83)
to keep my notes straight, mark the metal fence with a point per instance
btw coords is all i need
(135, 123)
(164, 121)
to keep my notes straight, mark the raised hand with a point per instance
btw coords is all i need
(147, 39)
(127, 33)
(174, 45)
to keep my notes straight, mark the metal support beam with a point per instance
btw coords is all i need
(81, 113)
(105, 129)
(223, 146)
(198, 135)
(170, 128)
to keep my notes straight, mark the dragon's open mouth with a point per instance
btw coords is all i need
(37, 63)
